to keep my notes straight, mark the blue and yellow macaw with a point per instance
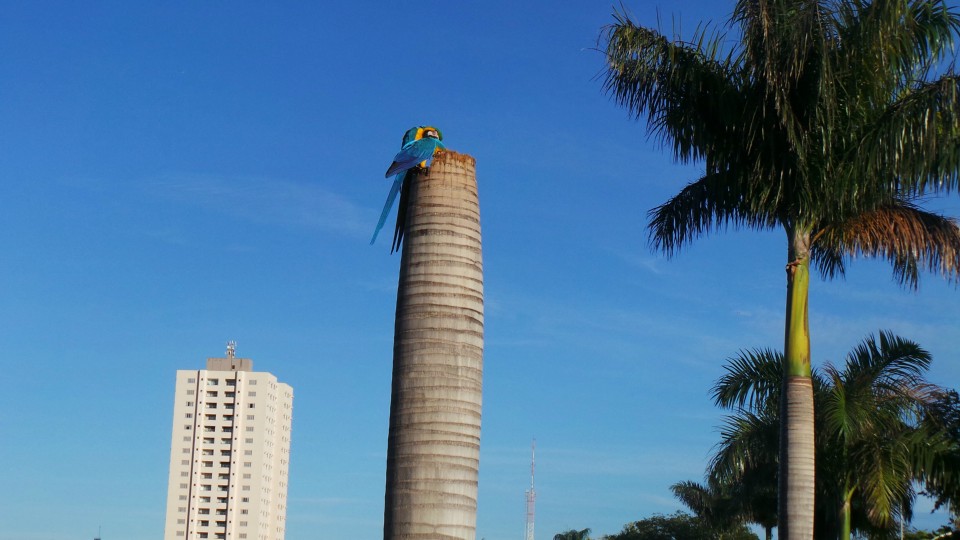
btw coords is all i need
(419, 146)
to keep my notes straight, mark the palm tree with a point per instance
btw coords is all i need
(433, 450)
(869, 431)
(820, 120)
(723, 507)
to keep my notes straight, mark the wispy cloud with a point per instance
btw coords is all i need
(265, 200)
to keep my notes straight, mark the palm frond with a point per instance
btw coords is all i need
(712, 202)
(784, 46)
(884, 474)
(910, 238)
(693, 495)
(916, 139)
(687, 90)
(748, 442)
(895, 42)
(752, 380)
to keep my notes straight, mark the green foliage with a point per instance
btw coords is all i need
(573, 534)
(941, 476)
(819, 117)
(678, 526)
(875, 434)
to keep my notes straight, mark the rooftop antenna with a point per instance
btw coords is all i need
(231, 349)
(98, 532)
(531, 493)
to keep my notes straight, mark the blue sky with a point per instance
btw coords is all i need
(180, 174)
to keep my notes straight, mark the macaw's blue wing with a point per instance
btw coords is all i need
(413, 153)
(392, 196)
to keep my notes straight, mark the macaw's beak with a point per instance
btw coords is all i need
(431, 133)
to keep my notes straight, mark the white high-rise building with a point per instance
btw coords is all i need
(229, 454)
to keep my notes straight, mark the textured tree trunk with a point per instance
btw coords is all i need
(433, 450)
(797, 463)
(845, 514)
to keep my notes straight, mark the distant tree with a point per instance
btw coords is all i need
(941, 478)
(573, 534)
(678, 526)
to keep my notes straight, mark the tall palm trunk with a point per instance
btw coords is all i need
(433, 450)
(797, 465)
(845, 513)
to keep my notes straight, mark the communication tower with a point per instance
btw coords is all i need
(531, 493)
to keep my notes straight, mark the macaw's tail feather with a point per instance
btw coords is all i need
(392, 196)
(401, 217)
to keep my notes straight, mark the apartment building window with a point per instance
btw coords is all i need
(213, 382)
(249, 417)
(228, 406)
(246, 476)
(208, 429)
(252, 394)
(228, 417)
(253, 381)
(225, 464)
(186, 438)
(245, 499)
(247, 464)
(185, 462)
(225, 453)
(189, 404)
(211, 417)
(204, 500)
(182, 509)
(206, 487)
(221, 499)
(186, 450)
(207, 464)
(243, 523)
(204, 523)
(184, 473)
(244, 511)
(211, 393)
(206, 476)
(191, 392)
(179, 533)
(248, 452)
(187, 426)
(211, 405)
(224, 476)
(221, 512)
(208, 451)
(249, 428)
(182, 498)
(252, 405)
(221, 524)
(231, 382)
(181, 521)
(227, 429)
(191, 380)
(230, 394)
(221, 536)
(248, 440)
(208, 440)
(203, 535)
(225, 440)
